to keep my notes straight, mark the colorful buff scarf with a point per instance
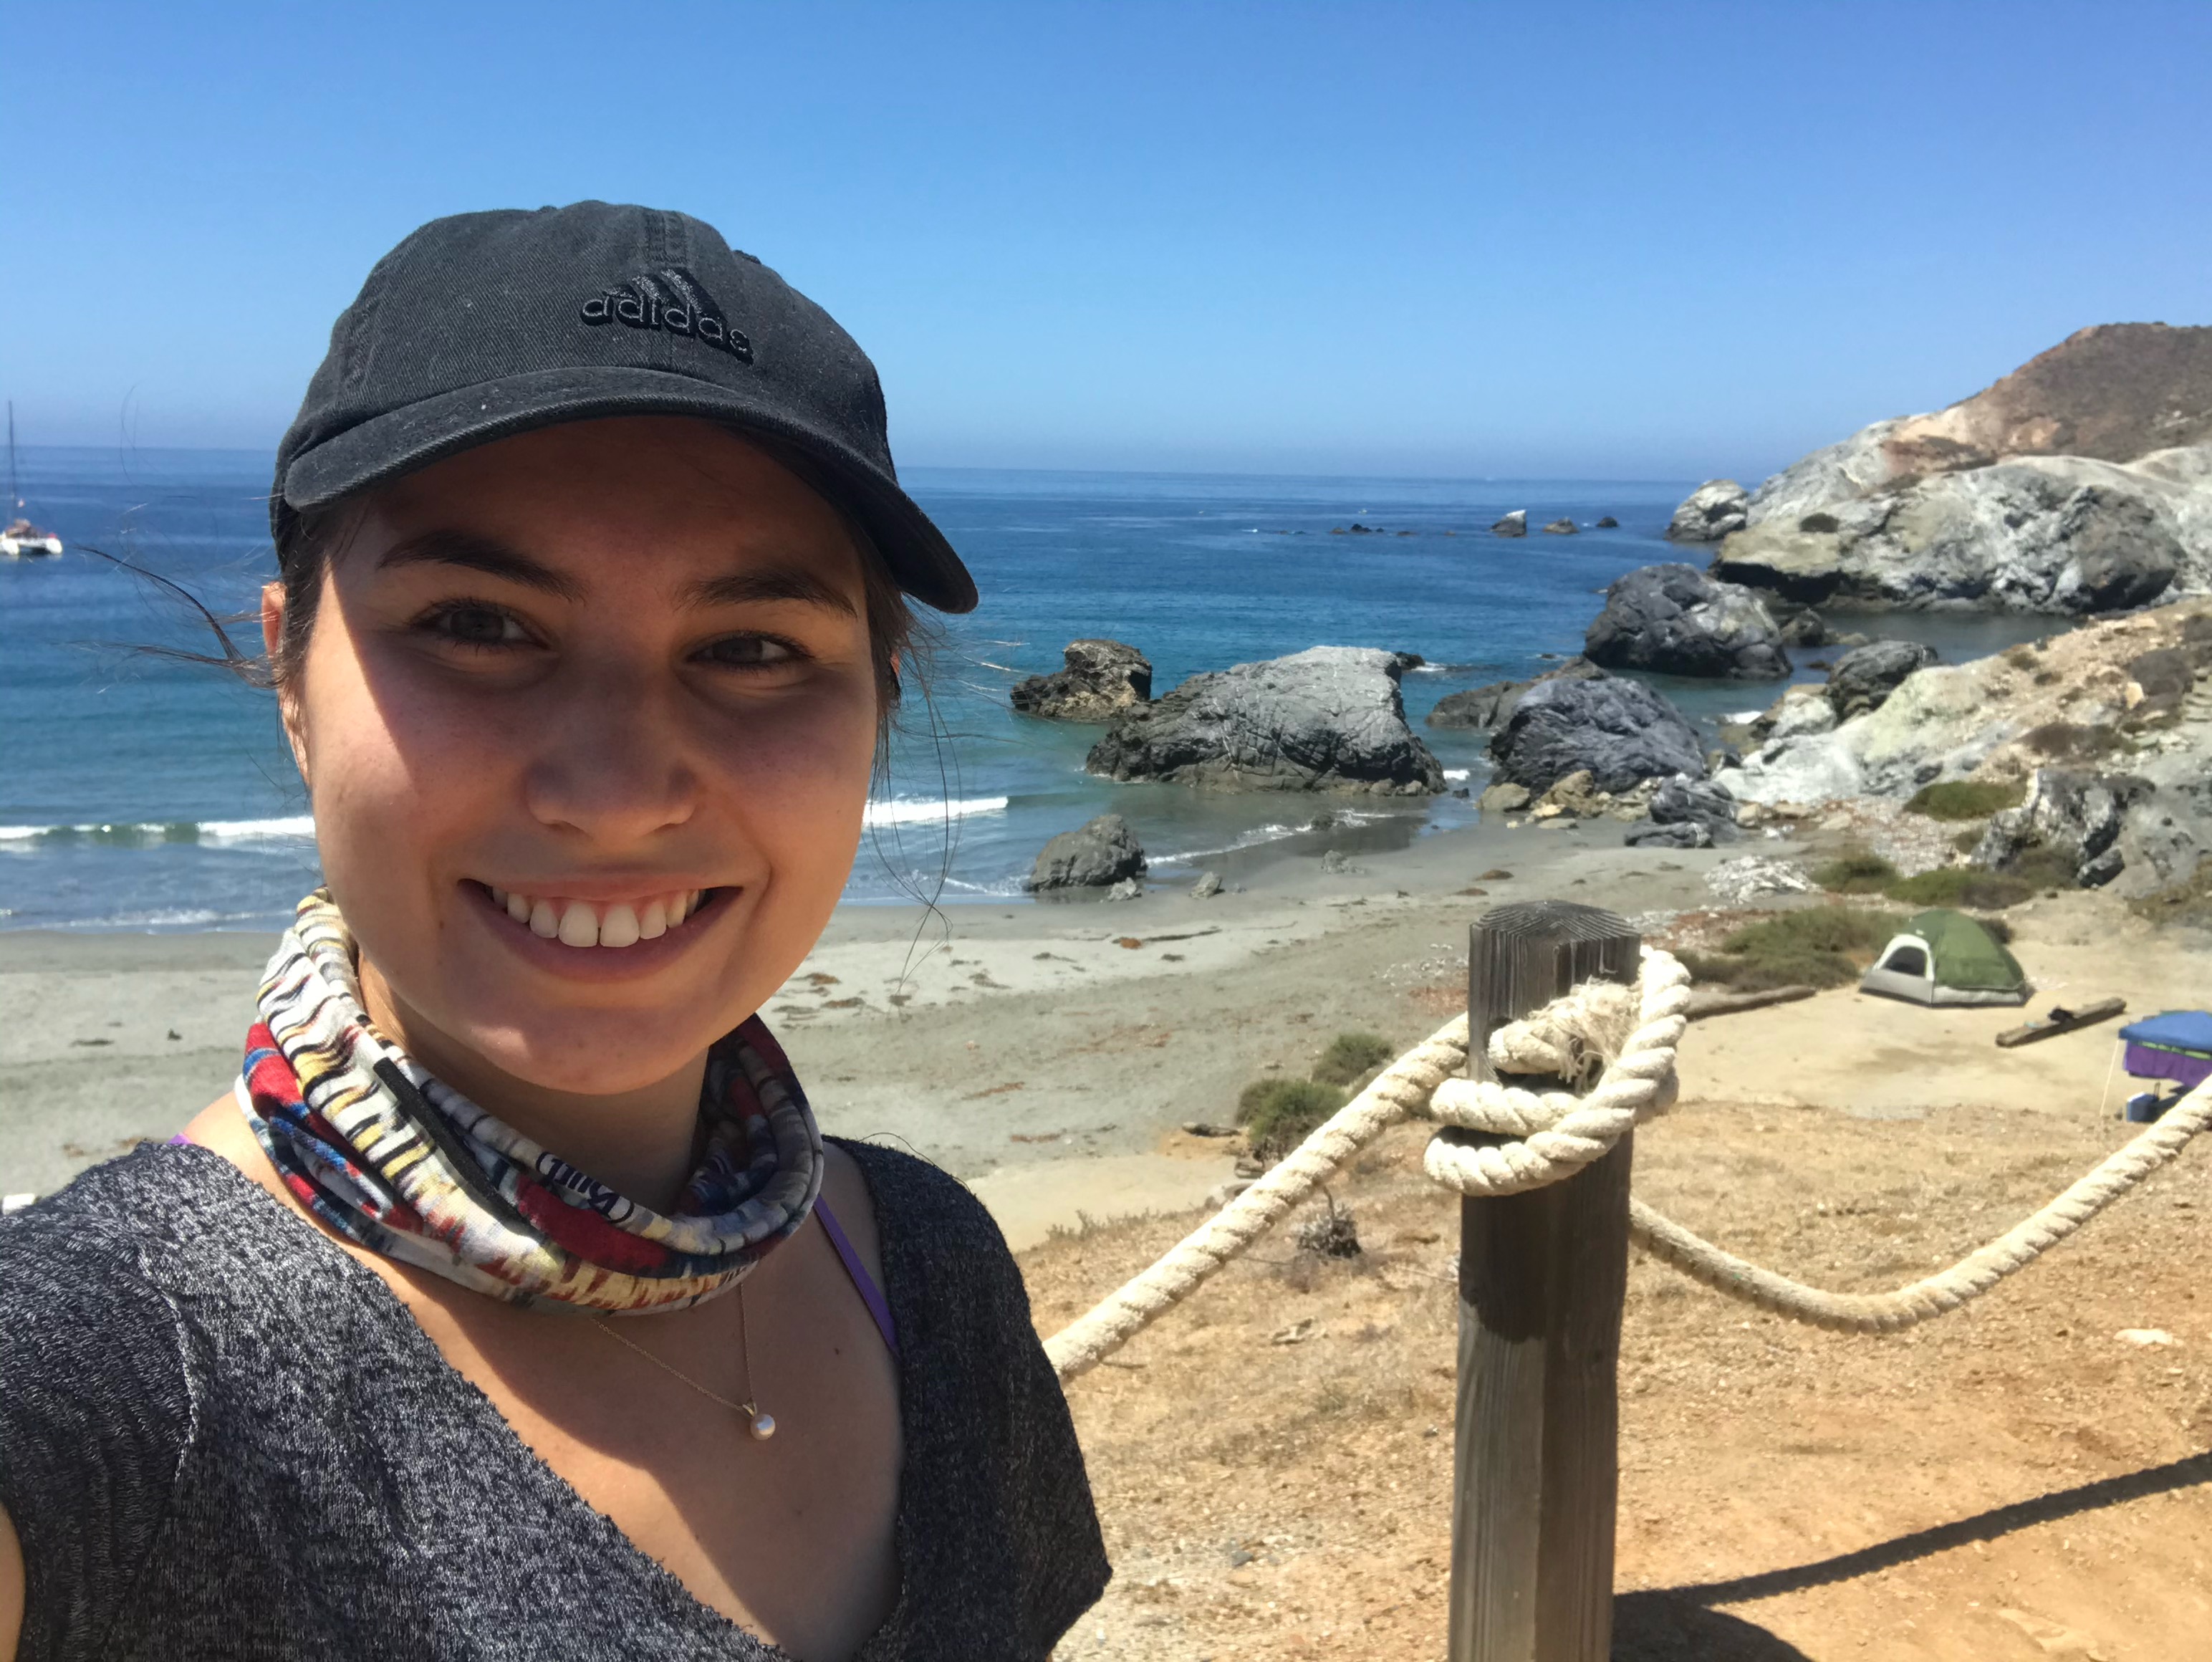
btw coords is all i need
(405, 1165)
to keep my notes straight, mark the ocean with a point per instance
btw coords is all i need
(140, 793)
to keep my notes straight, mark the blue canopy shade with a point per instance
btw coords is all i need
(2177, 1045)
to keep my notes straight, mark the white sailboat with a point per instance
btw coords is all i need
(22, 540)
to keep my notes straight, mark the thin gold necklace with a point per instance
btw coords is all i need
(762, 1425)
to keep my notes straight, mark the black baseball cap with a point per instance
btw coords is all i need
(483, 326)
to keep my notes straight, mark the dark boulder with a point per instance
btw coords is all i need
(1864, 677)
(1620, 731)
(1096, 856)
(1675, 619)
(1685, 813)
(1676, 834)
(1606, 523)
(1102, 678)
(1328, 718)
(1488, 707)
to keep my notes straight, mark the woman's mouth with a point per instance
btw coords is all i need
(601, 923)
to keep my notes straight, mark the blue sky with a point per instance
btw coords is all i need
(1555, 240)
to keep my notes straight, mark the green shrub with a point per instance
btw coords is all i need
(1962, 886)
(1758, 975)
(1856, 871)
(1350, 1056)
(2046, 868)
(2070, 741)
(1968, 840)
(1278, 1113)
(1845, 929)
(1964, 798)
(1819, 946)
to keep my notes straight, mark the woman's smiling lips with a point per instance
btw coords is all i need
(561, 930)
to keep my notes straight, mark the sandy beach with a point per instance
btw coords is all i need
(1043, 1052)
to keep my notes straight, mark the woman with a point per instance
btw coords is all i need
(512, 1306)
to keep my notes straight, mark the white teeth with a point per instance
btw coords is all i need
(580, 923)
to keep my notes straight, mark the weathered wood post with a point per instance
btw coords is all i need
(1541, 1279)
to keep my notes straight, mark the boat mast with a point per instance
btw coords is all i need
(15, 501)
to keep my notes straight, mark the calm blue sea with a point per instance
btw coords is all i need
(139, 793)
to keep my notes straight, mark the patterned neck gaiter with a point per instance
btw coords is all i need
(404, 1165)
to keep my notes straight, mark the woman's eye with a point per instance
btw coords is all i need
(748, 652)
(478, 626)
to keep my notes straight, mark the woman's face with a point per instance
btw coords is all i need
(588, 716)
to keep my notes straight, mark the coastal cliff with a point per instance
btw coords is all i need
(2081, 483)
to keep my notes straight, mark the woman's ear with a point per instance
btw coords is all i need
(273, 602)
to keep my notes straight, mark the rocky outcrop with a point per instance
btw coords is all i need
(2115, 392)
(1606, 523)
(1489, 707)
(2070, 823)
(1676, 620)
(2080, 483)
(1685, 813)
(2062, 535)
(1515, 524)
(2069, 702)
(1103, 677)
(1098, 856)
(1561, 529)
(1620, 731)
(1710, 513)
(1328, 718)
(1864, 677)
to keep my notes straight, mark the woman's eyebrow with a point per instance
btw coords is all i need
(478, 553)
(771, 583)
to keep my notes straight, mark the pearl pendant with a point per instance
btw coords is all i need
(763, 1426)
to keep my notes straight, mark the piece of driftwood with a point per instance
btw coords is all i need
(1716, 1004)
(2062, 1020)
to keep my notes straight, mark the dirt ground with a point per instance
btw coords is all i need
(2014, 1481)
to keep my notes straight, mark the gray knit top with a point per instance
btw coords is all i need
(191, 1381)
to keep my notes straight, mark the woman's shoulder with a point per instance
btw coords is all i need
(914, 1198)
(108, 1285)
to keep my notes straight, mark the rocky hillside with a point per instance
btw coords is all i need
(2113, 711)
(2114, 392)
(2080, 483)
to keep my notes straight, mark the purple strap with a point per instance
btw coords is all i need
(863, 1282)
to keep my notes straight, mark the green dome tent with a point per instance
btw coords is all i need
(1946, 957)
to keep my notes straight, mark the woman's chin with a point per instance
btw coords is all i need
(589, 1052)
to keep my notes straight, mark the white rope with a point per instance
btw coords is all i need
(1945, 1291)
(1633, 1034)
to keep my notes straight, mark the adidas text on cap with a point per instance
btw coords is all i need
(483, 326)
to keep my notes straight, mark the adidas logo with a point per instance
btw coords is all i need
(672, 299)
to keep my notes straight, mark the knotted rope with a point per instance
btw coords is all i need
(1628, 1039)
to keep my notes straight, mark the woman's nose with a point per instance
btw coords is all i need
(609, 762)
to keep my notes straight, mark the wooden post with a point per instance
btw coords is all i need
(1541, 1279)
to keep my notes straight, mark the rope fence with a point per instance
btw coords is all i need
(1625, 1038)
